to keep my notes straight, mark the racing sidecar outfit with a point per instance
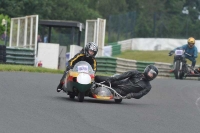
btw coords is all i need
(78, 57)
(129, 82)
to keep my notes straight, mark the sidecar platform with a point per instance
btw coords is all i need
(196, 73)
(192, 75)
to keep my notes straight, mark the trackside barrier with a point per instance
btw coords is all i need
(116, 48)
(109, 65)
(106, 65)
(141, 65)
(124, 65)
(126, 45)
(164, 69)
(20, 56)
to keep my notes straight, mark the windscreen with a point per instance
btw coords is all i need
(83, 66)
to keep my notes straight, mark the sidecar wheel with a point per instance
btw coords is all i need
(72, 96)
(118, 100)
(81, 96)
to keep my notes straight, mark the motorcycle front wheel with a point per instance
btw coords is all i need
(72, 96)
(81, 96)
(177, 69)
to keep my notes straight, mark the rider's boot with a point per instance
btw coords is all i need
(192, 70)
(60, 85)
(172, 70)
(193, 65)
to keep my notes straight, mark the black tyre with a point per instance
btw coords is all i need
(182, 71)
(181, 75)
(81, 96)
(176, 71)
(118, 100)
(72, 96)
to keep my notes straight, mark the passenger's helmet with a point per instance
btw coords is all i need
(191, 42)
(153, 70)
(91, 46)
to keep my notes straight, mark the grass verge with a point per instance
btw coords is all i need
(8, 67)
(151, 56)
(23, 68)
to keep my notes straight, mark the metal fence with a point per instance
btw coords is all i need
(157, 25)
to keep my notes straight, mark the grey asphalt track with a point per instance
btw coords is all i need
(29, 103)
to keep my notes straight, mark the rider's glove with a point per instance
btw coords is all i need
(171, 53)
(108, 80)
(69, 67)
(129, 96)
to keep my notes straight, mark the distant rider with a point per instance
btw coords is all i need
(86, 54)
(190, 49)
(132, 84)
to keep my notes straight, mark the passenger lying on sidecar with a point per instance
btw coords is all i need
(131, 84)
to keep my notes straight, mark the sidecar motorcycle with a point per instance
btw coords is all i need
(79, 82)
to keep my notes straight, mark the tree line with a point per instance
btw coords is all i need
(155, 18)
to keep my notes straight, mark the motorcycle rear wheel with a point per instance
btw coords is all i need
(118, 100)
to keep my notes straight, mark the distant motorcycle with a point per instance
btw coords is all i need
(180, 67)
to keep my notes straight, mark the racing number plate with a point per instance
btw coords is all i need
(178, 52)
(83, 69)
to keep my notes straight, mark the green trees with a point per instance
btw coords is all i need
(2, 27)
(148, 19)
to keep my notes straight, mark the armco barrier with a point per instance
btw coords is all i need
(142, 65)
(124, 65)
(106, 65)
(164, 69)
(20, 56)
(110, 65)
(116, 48)
(126, 45)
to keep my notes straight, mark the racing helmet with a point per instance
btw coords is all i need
(153, 70)
(91, 46)
(191, 42)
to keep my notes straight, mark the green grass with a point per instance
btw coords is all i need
(8, 67)
(23, 68)
(151, 56)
